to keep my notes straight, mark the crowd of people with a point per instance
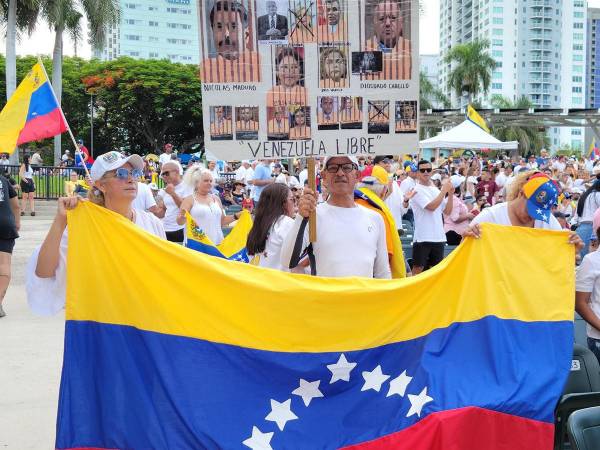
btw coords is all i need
(364, 206)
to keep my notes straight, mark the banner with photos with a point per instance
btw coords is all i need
(306, 78)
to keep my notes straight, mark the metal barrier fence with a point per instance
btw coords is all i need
(49, 181)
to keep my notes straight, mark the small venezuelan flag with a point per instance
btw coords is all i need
(474, 117)
(203, 354)
(233, 246)
(31, 113)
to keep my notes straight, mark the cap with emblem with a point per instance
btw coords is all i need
(111, 161)
(541, 193)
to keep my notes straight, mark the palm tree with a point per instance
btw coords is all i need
(428, 93)
(531, 139)
(65, 15)
(19, 15)
(472, 71)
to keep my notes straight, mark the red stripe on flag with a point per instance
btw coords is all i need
(468, 428)
(43, 127)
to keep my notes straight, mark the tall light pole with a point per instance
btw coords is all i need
(92, 124)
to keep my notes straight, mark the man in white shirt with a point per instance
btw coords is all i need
(170, 200)
(241, 174)
(427, 204)
(167, 155)
(350, 238)
(409, 183)
(144, 199)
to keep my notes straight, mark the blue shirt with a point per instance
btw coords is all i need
(261, 172)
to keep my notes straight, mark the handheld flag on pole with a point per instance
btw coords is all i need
(233, 246)
(32, 112)
(474, 117)
(592, 151)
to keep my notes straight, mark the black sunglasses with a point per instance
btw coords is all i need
(165, 174)
(346, 168)
(425, 170)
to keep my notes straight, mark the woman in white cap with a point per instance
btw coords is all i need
(115, 187)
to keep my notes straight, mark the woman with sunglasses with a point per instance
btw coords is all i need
(115, 187)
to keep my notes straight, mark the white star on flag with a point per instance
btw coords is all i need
(374, 379)
(341, 369)
(281, 413)
(417, 402)
(308, 390)
(398, 385)
(539, 211)
(259, 440)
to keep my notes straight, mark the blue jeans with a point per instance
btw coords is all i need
(584, 230)
(594, 346)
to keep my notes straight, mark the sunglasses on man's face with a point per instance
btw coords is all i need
(123, 174)
(428, 170)
(334, 168)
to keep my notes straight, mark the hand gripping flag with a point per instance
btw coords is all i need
(32, 112)
(233, 246)
(168, 348)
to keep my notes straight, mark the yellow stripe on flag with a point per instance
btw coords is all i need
(474, 117)
(252, 307)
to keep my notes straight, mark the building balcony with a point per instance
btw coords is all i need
(539, 91)
(541, 3)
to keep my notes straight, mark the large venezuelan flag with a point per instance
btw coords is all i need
(31, 113)
(167, 348)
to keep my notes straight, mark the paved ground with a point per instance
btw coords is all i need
(31, 354)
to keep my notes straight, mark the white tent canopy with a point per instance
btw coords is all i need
(467, 135)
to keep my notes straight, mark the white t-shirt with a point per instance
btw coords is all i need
(303, 176)
(241, 174)
(500, 180)
(588, 280)
(271, 257)
(498, 214)
(170, 219)
(560, 166)
(429, 225)
(46, 296)
(144, 199)
(281, 178)
(407, 184)
(164, 158)
(395, 203)
(592, 203)
(350, 242)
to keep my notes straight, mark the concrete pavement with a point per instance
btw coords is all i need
(31, 350)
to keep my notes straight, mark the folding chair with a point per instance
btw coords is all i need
(584, 429)
(582, 390)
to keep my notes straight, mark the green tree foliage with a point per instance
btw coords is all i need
(139, 104)
(472, 68)
(428, 93)
(531, 139)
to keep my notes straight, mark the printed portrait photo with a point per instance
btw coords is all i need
(327, 113)
(221, 126)
(288, 77)
(332, 17)
(379, 117)
(246, 123)
(351, 115)
(304, 28)
(273, 25)
(387, 29)
(333, 67)
(406, 117)
(366, 62)
(278, 123)
(299, 122)
(230, 43)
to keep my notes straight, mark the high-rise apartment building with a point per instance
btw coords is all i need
(155, 29)
(539, 47)
(593, 58)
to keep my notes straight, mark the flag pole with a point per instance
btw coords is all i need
(312, 184)
(87, 172)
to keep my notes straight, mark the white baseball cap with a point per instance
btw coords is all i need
(111, 161)
(352, 159)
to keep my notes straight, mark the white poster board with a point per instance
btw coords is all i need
(306, 78)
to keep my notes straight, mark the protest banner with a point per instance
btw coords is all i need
(308, 78)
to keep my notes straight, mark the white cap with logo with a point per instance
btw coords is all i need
(111, 161)
(352, 159)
